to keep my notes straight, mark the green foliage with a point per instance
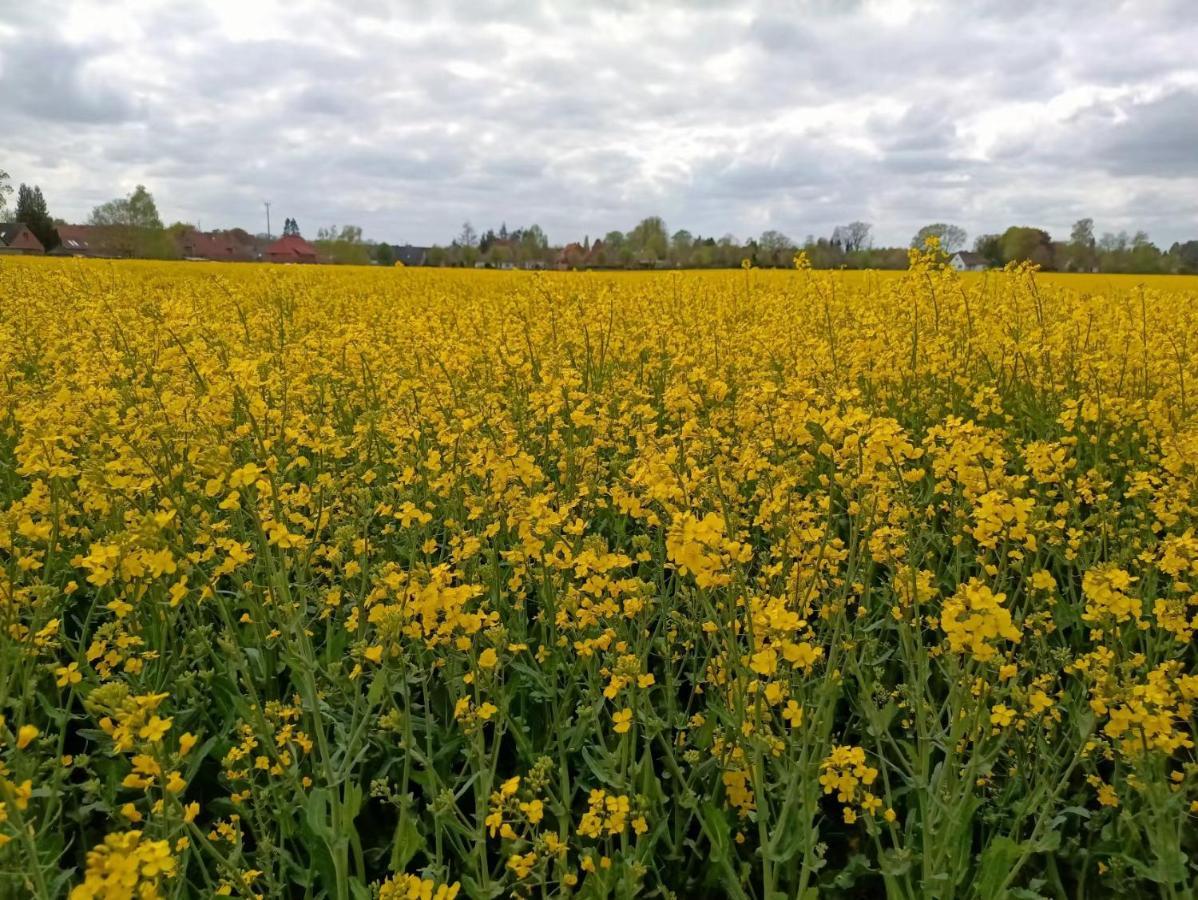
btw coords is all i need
(31, 210)
(649, 241)
(138, 210)
(342, 246)
(1021, 244)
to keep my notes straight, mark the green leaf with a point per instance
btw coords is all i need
(408, 841)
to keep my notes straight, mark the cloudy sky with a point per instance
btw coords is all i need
(408, 118)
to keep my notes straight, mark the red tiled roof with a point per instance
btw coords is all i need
(74, 238)
(222, 245)
(17, 236)
(291, 248)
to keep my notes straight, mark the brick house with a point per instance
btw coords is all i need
(74, 240)
(224, 246)
(291, 248)
(16, 238)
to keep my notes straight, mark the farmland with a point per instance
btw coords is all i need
(322, 582)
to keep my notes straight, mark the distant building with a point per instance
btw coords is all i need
(16, 238)
(291, 248)
(967, 261)
(572, 256)
(108, 241)
(222, 246)
(409, 255)
(73, 240)
(581, 256)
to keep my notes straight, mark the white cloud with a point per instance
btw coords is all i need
(407, 118)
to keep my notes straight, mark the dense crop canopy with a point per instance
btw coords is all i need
(317, 582)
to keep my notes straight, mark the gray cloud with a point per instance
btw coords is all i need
(408, 117)
(1157, 138)
(48, 78)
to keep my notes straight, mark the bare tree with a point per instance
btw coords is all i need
(952, 237)
(854, 236)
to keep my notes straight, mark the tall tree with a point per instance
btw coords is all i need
(774, 248)
(649, 240)
(138, 210)
(1145, 256)
(31, 210)
(1083, 255)
(133, 226)
(681, 244)
(142, 209)
(343, 245)
(1187, 256)
(5, 190)
(1023, 244)
(952, 237)
(989, 246)
(534, 244)
(852, 237)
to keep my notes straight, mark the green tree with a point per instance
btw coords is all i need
(650, 240)
(342, 246)
(681, 245)
(1024, 244)
(774, 249)
(728, 252)
(132, 226)
(989, 246)
(138, 210)
(1187, 256)
(31, 210)
(384, 255)
(1145, 257)
(534, 244)
(952, 237)
(614, 245)
(499, 253)
(1083, 255)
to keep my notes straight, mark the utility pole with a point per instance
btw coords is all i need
(266, 203)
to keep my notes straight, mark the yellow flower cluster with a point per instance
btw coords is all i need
(413, 887)
(974, 619)
(844, 772)
(125, 865)
(608, 815)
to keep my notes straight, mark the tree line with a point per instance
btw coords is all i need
(1083, 252)
(132, 227)
(851, 246)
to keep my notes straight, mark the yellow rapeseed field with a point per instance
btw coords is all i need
(399, 583)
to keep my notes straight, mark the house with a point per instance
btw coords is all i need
(409, 255)
(108, 241)
(224, 246)
(968, 261)
(572, 256)
(582, 256)
(291, 248)
(16, 238)
(73, 240)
